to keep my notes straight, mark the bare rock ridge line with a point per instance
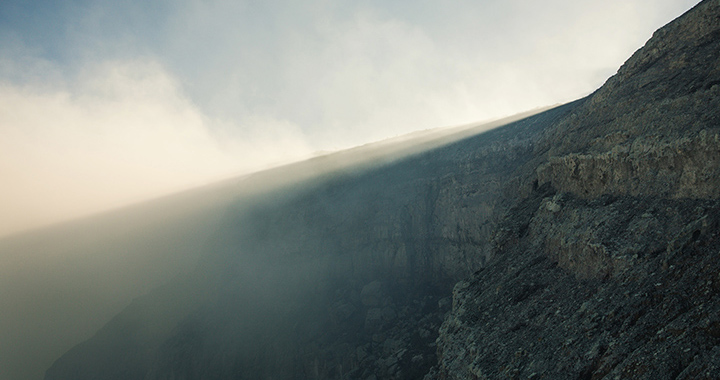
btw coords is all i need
(578, 243)
(609, 269)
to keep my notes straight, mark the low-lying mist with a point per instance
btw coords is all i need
(121, 133)
(58, 285)
(267, 253)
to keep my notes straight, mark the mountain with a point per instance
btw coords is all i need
(60, 285)
(297, 258)
(580, 242)
(609, 269)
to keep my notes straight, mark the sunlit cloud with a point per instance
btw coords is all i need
(111, 102)
(122, 133)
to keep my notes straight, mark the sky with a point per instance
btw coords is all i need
(105, 103)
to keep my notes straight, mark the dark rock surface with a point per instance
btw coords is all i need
(610, 268)
(585, 239)
(627, 295)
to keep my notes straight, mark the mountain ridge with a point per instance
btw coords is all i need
(88, 261)
(607, 270)
(579, 243)
(312, 217)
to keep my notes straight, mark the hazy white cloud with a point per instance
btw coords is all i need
(352, 72)
(109, 102)
(122, 133)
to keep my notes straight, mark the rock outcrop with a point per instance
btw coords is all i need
(584, 240)
(609, 269)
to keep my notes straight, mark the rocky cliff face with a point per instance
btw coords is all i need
(584, 239)
(609, 269)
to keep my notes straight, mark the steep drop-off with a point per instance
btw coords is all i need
(610, 268)
(584, 239)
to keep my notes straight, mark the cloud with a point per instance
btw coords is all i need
(120, 133)
(352, 72)
(138, 99)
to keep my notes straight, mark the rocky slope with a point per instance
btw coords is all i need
(584, 239)
(609, 269)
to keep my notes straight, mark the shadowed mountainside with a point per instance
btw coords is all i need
(60, 284)
(297, 278)
(584, 240)
(609, 269)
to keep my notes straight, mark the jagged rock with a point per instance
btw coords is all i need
(608, 269)
(682, 168)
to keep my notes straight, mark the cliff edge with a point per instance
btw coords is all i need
(609, 269)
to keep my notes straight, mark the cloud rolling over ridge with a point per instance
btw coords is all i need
(122, 133)
(107, 103)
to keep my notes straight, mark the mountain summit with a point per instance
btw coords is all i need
(577, 243)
